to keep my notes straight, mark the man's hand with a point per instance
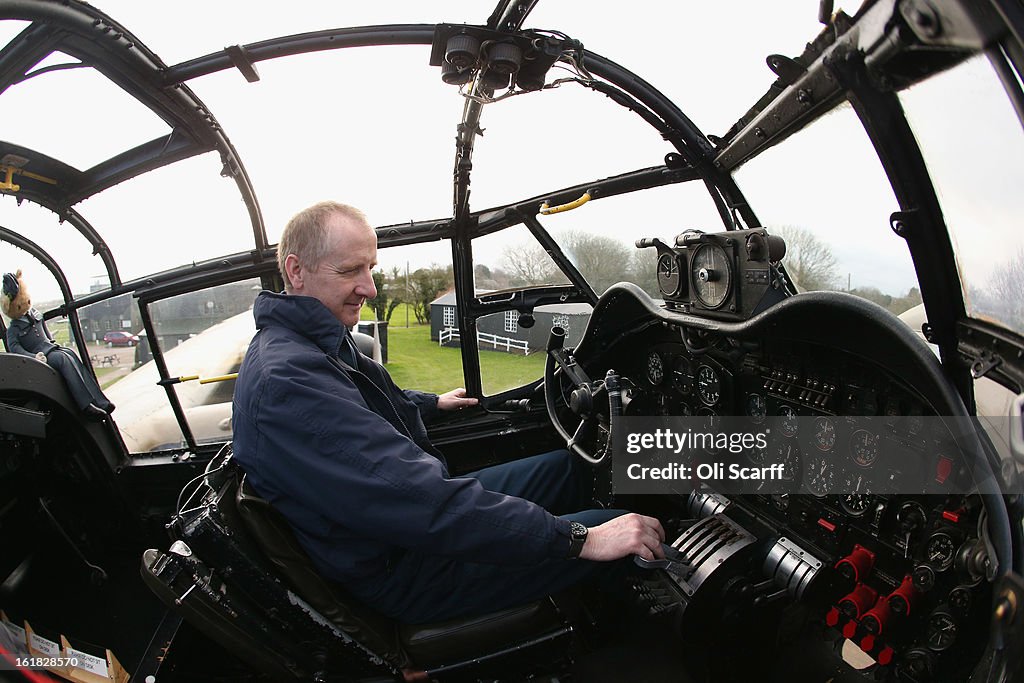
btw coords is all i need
(455, 399)
(630, 534)
(40, 356)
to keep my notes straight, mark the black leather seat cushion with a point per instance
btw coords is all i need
(421, 645)
(274, 536)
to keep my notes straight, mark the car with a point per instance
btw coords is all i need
(120, 339)
(796, 339)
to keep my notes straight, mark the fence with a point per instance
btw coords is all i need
(509, 344)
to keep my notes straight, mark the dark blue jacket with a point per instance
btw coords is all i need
(344, 456)
(29, 335)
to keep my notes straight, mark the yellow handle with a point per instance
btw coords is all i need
(546, 210)
(219, 378)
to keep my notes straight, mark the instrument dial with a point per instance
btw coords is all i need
(789, 422)
(668, 275)
(821, 476)
(864, 447)
(682, 377)
(941, 550)
(786, 453)
(757, 409)
(824, 434)
(856, 499)
(942, 630)
(709, 385)
(655, 369)
(711, 275)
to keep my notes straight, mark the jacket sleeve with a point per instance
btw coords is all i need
(320, 443)
(425, 402)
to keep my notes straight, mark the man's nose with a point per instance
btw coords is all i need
(367, 288)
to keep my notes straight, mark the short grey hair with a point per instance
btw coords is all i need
(305, 235)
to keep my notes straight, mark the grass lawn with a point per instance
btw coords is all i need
(416, 362)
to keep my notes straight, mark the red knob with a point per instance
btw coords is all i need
(858, 564)
(857, 601)
(903, 598)
(877, 617)
(885, 656)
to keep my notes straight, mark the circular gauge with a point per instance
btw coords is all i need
(709, 385)
(789, 422)
(864, 447)
(856, 499)
(757, 456)
(824, 433)
(682, 377)
(655, 369)
(668, 274)
(940, 550)
(960, 599)
(757, 409)
(942, 629)
(786, 453)
(711, 275)
(820, 476)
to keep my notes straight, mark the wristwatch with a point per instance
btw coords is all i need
(577, 537)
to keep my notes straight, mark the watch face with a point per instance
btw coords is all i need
(577, 530)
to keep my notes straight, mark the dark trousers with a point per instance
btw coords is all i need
(426, 588)
(81, 385)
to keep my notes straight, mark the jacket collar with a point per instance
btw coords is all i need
(302, 314)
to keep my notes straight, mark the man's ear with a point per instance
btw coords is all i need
(293, 272)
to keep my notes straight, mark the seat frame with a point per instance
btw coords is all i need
(217, 575)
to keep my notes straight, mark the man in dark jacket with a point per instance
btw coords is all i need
(326, 437)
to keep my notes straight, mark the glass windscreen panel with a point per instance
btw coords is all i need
(414, 287)
(84, 271)
(512, 355)
(534, 144)
(203, 334)
(103, 122)
(371, 127)
(974, 152)
(834, 215)
(9, 28)
(175, 215)
(599, 238)
(512, 259)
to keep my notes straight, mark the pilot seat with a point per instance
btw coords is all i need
(237, 573)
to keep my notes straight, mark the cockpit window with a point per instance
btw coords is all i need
(71, 251)
(9, 28)
(826, 193)
(534, 144)
(181, 213)
(981, 201)
(372, 127)
(76, 115)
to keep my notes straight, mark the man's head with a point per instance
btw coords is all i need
(328, 252)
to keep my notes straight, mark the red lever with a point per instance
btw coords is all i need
(857, 601)
(858, 564)
(877, 617)
(903, 598)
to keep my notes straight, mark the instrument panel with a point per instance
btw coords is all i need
(870, 453)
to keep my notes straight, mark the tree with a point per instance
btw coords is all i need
(389, 294)
(529, 266)
(602, 260)
(1003, 295)
(809, 261)
(425, 285)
